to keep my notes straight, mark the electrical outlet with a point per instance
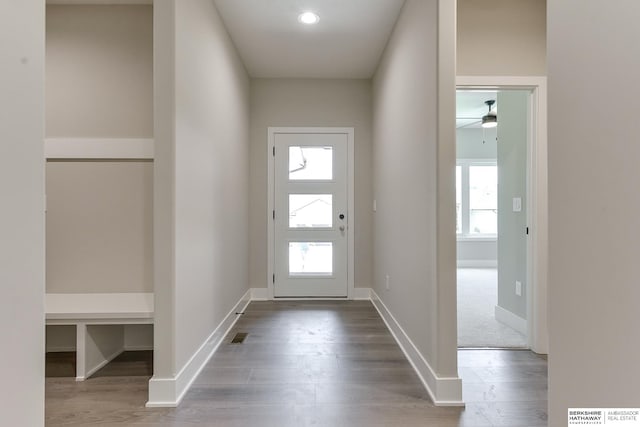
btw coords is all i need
(386, 283)
(518, 288)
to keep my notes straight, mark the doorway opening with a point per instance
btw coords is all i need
(493, 137)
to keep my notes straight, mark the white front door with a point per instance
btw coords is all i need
(310, 214)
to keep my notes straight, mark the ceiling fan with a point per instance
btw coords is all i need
(489, 120)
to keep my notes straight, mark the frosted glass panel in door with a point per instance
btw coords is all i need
(310, 210)
(310, 258)
(310, 163)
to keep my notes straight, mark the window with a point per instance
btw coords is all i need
(476, 198)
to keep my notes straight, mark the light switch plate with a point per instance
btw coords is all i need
(517, 204)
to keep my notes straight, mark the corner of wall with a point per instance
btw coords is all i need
(444, 391)
(169, 391)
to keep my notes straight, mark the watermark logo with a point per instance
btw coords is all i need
(612, 417)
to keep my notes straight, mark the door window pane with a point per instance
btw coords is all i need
(310, 258)
(310, 163)
(310, 211)
(483, 199)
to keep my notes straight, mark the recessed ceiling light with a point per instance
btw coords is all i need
(308, 18)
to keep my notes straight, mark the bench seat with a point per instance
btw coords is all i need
(66, 309)
(99, 321)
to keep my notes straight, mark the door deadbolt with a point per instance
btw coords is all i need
(341, 216)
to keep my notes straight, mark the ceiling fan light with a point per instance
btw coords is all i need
(489, 121)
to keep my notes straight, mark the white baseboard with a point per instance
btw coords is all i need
(168, 392)
(259, 294)
(101, 364)
(477, 263)
(444, 391)
(361, 293)
(510, 319)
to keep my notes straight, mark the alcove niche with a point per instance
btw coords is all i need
(99, 149)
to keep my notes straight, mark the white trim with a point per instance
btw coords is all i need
(537, 198)
(510, 319)
(350, 132)
(469, 238)
(168, 392)
(259, 294)
(99, 148)
(271, 172)
(500, 82)
(477, 263)
(361, 294)
(103, 308)
(351, 163)
(442, 390)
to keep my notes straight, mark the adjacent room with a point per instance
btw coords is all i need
(493, 134)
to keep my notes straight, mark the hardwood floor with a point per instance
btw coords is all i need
(309, 363)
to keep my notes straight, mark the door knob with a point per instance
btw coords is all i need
(342, 228)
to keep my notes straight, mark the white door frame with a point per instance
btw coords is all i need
(271, 132)
(537, 198)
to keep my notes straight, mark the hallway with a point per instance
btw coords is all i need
(327, 363)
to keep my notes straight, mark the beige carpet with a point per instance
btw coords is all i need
(477, 298)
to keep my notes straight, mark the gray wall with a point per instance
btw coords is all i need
(501, 37)
(99, 227)
(480, 254)
(405, 128)
(473, 143)
(99, 71)
(470, 145)
(512, 182)
(313, 103)
(201, 180)
(593, 205)
(22, 213)
(99, 79)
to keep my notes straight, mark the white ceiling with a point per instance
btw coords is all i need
(346, 43)
(470, 107)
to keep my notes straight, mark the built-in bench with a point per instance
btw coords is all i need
(99, 320)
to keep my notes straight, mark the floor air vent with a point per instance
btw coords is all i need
(239, 338)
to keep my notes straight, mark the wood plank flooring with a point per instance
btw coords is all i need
(309, 363)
